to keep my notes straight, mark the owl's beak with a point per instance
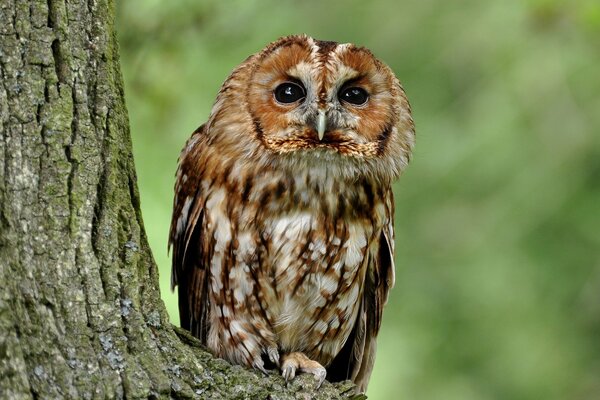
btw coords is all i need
(321, 124)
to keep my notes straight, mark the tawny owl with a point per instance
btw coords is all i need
(282, 228)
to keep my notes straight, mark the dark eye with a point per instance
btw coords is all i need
(354, 95)
(289, 92)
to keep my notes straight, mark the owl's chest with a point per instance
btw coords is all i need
(316, 270)
(305, 252)
(296, 257)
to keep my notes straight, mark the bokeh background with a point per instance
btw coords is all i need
(498, 216)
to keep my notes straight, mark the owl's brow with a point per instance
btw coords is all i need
(355, 80)
(293, 79)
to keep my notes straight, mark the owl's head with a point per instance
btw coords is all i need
(313, 101)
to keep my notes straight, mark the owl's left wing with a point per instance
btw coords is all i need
(355, 360)
(189, 251)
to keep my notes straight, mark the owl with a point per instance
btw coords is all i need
(282, 229)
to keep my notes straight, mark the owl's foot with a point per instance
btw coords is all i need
(298, 361)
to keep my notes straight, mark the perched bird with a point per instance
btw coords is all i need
(282, 228)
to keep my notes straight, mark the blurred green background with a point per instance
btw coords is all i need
(498, 216)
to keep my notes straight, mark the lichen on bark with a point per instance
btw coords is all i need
(80, 310)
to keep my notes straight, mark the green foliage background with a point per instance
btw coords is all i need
(498, 216)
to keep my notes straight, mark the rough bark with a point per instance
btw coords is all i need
(80, 311)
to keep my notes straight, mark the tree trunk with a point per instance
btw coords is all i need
(80, 310)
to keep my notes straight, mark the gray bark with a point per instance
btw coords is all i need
(80, 310)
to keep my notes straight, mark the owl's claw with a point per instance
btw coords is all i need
(273, 355)
(320, 373)
(260, 365)
(297, 360)
(288, 371)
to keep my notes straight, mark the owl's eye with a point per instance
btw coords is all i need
(354, 95)
(289, 92)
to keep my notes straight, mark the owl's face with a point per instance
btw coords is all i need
(317, 100)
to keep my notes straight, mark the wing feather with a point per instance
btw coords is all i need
(189, 270)
(355, 360)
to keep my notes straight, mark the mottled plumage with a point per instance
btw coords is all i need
(282, 228)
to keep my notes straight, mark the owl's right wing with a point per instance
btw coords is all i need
(190, 253)
(355, 360)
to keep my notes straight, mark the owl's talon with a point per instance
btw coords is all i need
(320, 373)
(297, 360)
(288, 372)
(273, 355)
(260, 365)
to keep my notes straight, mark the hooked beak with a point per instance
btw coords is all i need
(321, 124)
